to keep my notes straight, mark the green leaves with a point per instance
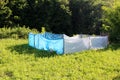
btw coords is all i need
(112, 19)
(5, 13)
(63, 16)
(58, 16)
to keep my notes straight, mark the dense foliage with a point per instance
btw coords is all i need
(112, 20)
(63, 16)
(58, 16)
(18, 61)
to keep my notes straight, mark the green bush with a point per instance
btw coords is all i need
(16, 32)
(112, 21)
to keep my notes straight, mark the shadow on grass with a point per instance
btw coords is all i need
(26, 49)
(116, 78)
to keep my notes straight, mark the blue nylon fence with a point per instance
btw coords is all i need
(31, 39)
(47, 41)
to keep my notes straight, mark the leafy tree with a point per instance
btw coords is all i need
(58, 16)
(112, 20)
(86, 16)
(17, 7)
(54, 15)
(5, 13)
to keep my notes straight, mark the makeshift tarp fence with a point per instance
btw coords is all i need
(46, 41)
(31, 39)
(84, 42)
(98, 42)
(64, 44)
(75, 44)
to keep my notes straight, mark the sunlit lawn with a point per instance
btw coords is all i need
(18, 61)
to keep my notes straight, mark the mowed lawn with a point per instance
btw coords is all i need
(18, 61)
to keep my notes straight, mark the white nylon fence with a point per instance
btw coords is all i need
(81, 42)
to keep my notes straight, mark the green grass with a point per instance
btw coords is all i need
(18, 61)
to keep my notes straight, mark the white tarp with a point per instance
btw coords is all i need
(75, 44)
(78, 43)
(99, 42)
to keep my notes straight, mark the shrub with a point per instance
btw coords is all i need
(112, 21)
(16, 32)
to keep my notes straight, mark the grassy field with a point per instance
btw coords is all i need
(18, 61)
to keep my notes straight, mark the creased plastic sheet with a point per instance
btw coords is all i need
(51, 45)
(52, 36)
(99, 42)
(75, 44)
(39, 41)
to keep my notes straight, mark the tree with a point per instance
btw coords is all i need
(17, 7)
(60, 17)
(86, 16)
(5, 13)
(112, 20)
(52, 14)
(57, 16)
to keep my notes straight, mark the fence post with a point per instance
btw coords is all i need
(89, 42)
(34, 40)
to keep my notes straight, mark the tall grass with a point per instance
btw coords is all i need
(18, 61)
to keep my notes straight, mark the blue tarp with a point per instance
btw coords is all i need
(52, 36)
(47, 41)
(31, 39)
